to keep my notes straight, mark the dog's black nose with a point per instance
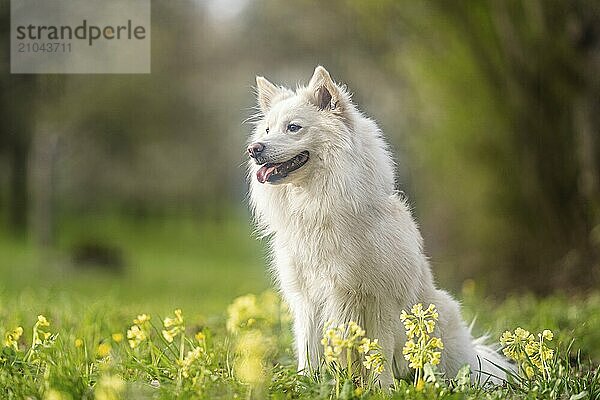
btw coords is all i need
(255, 149)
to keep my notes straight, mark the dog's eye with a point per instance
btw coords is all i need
(267, 130)
(293, 128)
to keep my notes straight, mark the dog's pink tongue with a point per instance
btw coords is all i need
(264, 173)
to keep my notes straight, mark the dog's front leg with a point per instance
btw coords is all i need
(381, 322)
(376, 317)
(306, 333)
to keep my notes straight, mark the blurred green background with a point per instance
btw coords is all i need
(134, 185)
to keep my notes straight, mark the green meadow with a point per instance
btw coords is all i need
(84, 344)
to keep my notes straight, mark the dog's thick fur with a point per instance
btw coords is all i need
(344, 244)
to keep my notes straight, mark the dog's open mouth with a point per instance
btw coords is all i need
(273, 172)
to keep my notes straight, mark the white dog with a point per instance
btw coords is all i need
(344, 244)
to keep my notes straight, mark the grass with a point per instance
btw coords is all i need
(168, 263)
(243, 351)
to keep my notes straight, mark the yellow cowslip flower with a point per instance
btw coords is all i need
(252, 348)
(347, 338)
(117, 337)
(40, 337)
(109, 387)
(171, 334)
(420, 348)
(192, 357)
(429, 326)
(78, 342)
(240, 311)
(250, 370)
(522, 334)
(529, 352)
(547, 334)
(367, 345)
(435, 358)
(419, 320)
(200, 337)
(374, 361)
(103, 350)
(178, 320)
(261, 312)
(436, 343)
(529, 372)
(53, 394)
(420, 385)
(355, 329)
(173, 326)
(141, 319)
(417, 310)
(11, 338)
(332, 354)
(135, 336)
(42, 321)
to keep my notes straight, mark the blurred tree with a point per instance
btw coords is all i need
(16, 105)
(538, 65)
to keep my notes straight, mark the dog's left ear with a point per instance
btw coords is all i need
(325, 93)
(265, 93)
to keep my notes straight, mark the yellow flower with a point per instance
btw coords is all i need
(417, 310)
(42, 321)
(420, 348)
(178, 320)
(330, 356)
(173, 326)
(78, 342)
(260, 312)
(141, 319)
(135, 336)
(11, 338)
(240, 311)
(529, 372)
(250, 370)
(547, 334)
(252, 348)
(530, 353)
(522, 334)
(117, 337)
(200, 337)
(506, 338)
(170, 335)
(349, 337)
(40, 337)
(137, 333)
(192, 357)
(109, 387)
(53, 394)
(103, 350)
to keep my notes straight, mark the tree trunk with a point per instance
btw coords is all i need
(18, 205)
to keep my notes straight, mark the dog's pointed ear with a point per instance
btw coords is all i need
(326, 95)
(265, 92)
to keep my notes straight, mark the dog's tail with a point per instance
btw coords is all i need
(493, 367)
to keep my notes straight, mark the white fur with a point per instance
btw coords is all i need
(344, 243)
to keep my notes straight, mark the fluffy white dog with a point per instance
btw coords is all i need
(344, 244)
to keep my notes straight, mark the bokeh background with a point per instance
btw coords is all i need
(134, 186)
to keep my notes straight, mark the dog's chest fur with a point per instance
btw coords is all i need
(323, 250)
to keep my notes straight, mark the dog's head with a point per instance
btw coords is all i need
(297, 129)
